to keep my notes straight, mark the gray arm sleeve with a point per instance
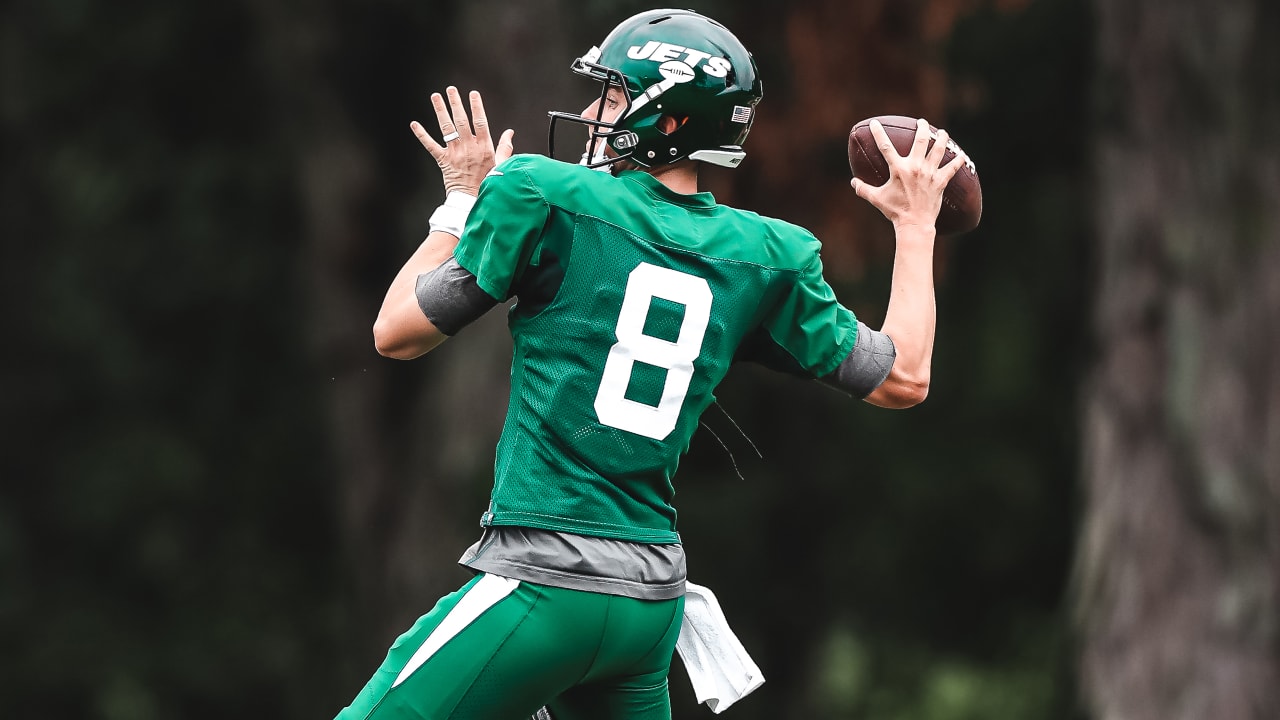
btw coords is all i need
(867, 366)
(450, 297)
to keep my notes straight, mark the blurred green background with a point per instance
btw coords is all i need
(218, 500)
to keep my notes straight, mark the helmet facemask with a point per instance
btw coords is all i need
(602, 133)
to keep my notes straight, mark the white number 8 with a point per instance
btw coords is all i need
(645, 283)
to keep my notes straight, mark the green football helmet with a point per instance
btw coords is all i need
(677, 63)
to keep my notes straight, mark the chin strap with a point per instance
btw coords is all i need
(598, 160)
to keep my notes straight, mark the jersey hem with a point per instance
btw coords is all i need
(573, 581)
(560, 524)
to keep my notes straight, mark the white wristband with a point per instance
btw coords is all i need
(451, 217)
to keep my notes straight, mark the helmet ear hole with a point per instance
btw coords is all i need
(668, 124)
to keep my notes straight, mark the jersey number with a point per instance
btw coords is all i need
(643, 284)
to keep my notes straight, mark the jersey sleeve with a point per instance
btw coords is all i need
(503, 228)
(808, 332)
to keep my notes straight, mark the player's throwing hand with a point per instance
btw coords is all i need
(913, 193)
(467, 154)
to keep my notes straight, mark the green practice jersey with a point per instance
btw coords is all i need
(632, 302)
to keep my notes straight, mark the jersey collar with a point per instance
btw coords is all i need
(655, 186)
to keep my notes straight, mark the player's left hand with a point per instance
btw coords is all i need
(467, 154)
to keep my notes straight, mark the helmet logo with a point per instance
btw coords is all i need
(676, 71)
(661, 52)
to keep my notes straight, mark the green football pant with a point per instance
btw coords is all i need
(499, 649)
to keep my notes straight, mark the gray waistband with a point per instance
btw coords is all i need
(579, 562)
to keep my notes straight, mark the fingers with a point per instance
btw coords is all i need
(461, 125)
(882, 140)
(938, 150)
(465, 150)
(506, 146)
(478, 118)
(950, 169)
(862, 189)
(451, 116)
(926, 145)
(930, 145)
(923, 136)
(442, 115)
(427, 141)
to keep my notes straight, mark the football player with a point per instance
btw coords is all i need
(635, 293)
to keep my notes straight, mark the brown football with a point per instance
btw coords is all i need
(961, 201)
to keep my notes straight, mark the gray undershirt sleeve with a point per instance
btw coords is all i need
(450, 297)
(867, 366)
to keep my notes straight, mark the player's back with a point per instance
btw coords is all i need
(633, 301)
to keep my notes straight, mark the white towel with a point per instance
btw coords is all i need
(719, 667)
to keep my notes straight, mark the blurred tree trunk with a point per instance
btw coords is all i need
(413, 443)
(1179, 559)
(338, 178)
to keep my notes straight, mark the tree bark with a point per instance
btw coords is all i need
(1178, 566)
(413, 444)
(338, 178)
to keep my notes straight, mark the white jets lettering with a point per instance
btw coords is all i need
(717, 67)
(693, 57)
(665, 52)
(661, 52)
(636, 52)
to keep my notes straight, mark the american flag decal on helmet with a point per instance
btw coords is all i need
(741, 114)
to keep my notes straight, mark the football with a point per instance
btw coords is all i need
(961, 201)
